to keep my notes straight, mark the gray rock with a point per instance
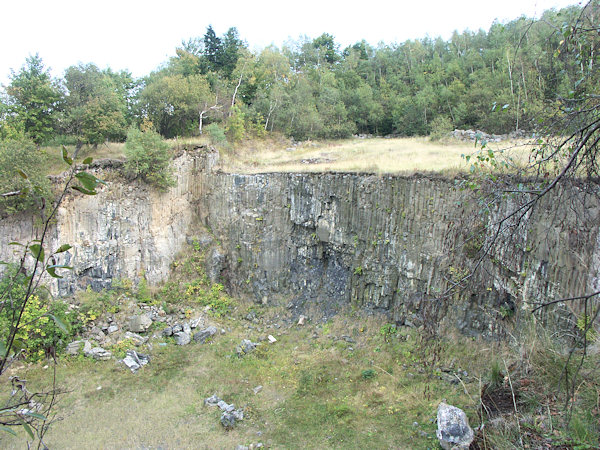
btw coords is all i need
(139, 324)
(135, 360)
(182, 338)
(187, 329)
(112, 329)
(74, 348)
(223, 405)
(100, 354)
(203, 335)
(167, 332)
(257, 389)
(177, 328)
(215, 264)
(212, 400)
(453, 430)
(246, 347)
(87, 347)
(228, 420)
(197, 322)
(136, 338)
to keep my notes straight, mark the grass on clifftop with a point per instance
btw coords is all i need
(378, 155)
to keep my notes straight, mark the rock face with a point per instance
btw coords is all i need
(453, 430)
(394, 244)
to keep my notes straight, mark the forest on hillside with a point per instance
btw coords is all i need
(510, 77)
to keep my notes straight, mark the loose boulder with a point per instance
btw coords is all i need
(139, 324)
(247, 346)
(454, 432)
(135, 360)
(182, 338)
(203, 335)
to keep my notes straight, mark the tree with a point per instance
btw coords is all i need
(231, 51)
(22, 169)
(34, 97)
(148, 158)
(96, 106)
(175, 103)
(327, 48)
(213, 49)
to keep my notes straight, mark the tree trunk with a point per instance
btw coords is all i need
(236, 89)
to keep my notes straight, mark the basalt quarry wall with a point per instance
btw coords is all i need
(323, 241)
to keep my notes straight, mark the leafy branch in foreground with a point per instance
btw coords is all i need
(32, 410)
(564, 161)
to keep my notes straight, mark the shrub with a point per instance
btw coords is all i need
(216, 134)
(22, 155)
(441, 127)
(148, 158)
(38, 332)
(235, 127)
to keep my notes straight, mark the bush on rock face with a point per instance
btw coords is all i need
(148, 158)
(20, 158)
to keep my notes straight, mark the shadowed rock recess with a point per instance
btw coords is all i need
(389, 243)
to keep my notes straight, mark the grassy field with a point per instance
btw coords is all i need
(319, 390)
(351, 382)
(378, 155)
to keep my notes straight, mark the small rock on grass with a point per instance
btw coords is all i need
(182, 338)
(228, 420)
(453, 430)
(203, 335)
(247, 346)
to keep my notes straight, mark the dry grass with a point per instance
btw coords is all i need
(56, 165)
(378, 155)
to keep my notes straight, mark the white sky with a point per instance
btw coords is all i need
(139, 35)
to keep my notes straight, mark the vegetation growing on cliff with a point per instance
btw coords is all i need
(148, 158)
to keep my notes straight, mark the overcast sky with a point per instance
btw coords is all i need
(139, 35)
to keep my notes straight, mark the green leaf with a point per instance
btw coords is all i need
(23, 174)
(84, 191)
(63, 248)
(2, 349)
(87, 180)
(36, 415)
(37, 251)
(8, 430)
(52, 272)
(88, 160)
(59, 323)
(65, 156)
(28, 430)
(16, 243)
(52, 269)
